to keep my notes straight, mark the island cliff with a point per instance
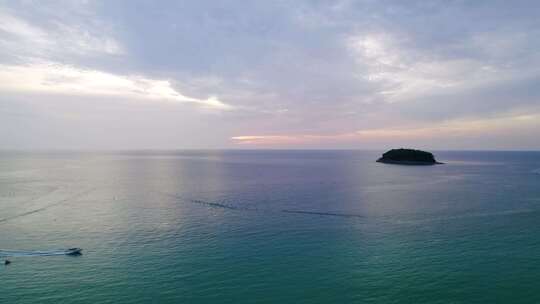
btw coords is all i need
(408, 157)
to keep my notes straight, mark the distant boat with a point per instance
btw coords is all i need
(74, 251)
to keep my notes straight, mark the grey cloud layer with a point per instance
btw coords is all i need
(291, 67)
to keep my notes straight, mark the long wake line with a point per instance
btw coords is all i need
(230, 207)
(349, 215)
(30, 253)
(63, 201)
(205, 203)
(323, 213)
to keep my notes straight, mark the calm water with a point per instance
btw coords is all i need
(270, 227)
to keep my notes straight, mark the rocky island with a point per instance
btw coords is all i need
(408, 157)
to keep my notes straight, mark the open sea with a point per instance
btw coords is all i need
(269, 227)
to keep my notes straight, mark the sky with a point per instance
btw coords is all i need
(270, 74)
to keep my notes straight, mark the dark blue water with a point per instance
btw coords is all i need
(269, 227)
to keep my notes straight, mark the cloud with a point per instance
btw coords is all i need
(20, 29)
(517, 123)
(21, 39)
(50, 78)
(405, 73)
(295, 73)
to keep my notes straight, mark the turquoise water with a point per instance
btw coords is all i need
(270, 227)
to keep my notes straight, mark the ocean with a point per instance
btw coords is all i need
(269, 227)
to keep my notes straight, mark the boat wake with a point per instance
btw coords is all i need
(237, 208)
(206, 203)
(349, 215)
(323, 213)
(211, 204)
(60, 202)
(34, 253)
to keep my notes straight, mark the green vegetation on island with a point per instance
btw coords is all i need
(408, 157)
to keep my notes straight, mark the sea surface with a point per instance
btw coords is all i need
(269, 227)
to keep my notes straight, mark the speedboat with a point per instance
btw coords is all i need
(74, 251)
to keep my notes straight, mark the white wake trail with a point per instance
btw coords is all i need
(32, 253)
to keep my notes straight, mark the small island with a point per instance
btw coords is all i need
(408, 157)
